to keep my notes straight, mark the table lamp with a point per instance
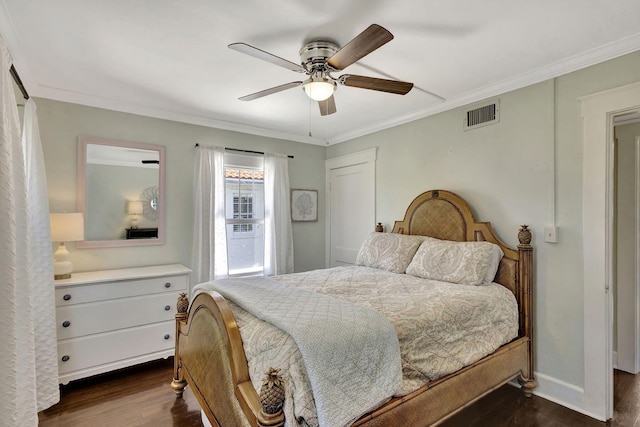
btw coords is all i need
(65, 227)
(134, 208)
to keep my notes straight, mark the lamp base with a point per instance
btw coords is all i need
(62, 267)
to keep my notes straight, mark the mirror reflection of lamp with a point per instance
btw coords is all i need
(65, 227)
(134, 208)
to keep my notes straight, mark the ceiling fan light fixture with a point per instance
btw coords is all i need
(319, 89)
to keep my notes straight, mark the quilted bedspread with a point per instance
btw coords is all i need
(354, 349)
(441, 327)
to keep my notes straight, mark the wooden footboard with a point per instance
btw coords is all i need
(210, 358)
(440, 399)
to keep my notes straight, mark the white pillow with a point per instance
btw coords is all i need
(494, 263)
(388, 251)
(455, 262)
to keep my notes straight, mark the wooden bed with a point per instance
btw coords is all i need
(209, 354)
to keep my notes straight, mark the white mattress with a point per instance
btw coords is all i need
(441, 328)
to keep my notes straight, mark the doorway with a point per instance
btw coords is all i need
(626, 284)
(598, 111)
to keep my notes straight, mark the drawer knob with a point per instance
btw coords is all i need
(65, 358)
(167, 285)
(66, 324)
(66, 297)
(167, 336)
(167, 307)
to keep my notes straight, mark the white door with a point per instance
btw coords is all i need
(351, 205)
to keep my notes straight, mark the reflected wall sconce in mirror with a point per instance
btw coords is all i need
(134, 208)
(65, 227)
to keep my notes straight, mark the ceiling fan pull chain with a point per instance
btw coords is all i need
(310, 102)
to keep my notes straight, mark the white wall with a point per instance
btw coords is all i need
(61, 124)
(525, 170)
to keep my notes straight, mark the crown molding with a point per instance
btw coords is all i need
(158, 113)
(559, 68)
(565, 66)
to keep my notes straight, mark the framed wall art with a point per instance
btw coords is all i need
(304, 205)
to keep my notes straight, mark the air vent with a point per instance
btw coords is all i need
(483, 115)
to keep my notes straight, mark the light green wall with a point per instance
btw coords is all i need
(61, 124)
(525, 170)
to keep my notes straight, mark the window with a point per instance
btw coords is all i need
(243, 208)
(244, 188)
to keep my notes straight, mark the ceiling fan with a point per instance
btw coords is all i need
(321, 58)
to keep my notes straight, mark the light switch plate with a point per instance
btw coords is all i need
(551, 234)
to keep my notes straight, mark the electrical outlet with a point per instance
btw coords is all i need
(551, 234)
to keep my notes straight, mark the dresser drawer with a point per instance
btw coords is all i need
(118, 289)
(96, 317)
(86, 352)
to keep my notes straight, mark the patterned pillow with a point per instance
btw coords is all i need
(494, 263)
(388, 251)
(455, 262)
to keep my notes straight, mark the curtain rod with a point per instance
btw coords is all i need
(16, 78)
(244, 151)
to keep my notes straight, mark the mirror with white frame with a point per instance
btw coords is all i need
(121, 192)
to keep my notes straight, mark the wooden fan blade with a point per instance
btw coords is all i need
(266, 56)
(328, 106)
(269, 91)
(372, 83)
(363, 44)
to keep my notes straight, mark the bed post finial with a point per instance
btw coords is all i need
(525, 259)
(183, 303)
(272, 399)
(524, 235)
(379, 227)
(179, 383)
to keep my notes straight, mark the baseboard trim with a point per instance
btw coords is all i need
(562, 393)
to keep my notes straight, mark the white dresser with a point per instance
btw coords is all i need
(115, 318)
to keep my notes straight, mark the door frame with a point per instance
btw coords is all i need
(598, 111)
(636, 346)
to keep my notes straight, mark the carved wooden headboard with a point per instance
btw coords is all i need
(445, 215)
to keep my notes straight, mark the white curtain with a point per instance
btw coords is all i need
(27, 307)
(278, 238)
(210, 235)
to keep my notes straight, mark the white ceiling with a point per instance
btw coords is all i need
(169, 59)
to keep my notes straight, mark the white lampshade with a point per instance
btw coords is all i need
(319, 89)
(134, 207)
(67, 227)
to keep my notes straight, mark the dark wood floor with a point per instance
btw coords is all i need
(138, 396)
(142, 396)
